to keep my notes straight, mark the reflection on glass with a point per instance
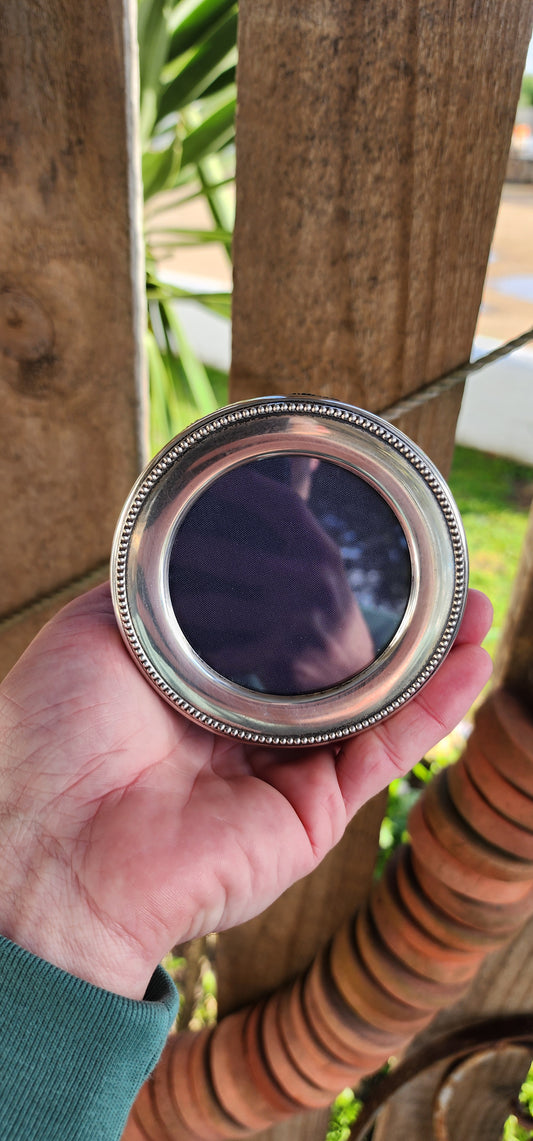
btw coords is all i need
(289, 574)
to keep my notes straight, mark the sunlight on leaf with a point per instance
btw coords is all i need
(187, 58)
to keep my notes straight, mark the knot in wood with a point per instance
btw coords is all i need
(26, 331)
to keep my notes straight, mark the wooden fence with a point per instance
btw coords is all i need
(372, 145)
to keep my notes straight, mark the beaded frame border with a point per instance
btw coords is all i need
(256, 410)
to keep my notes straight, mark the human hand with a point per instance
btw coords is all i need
(127, 828)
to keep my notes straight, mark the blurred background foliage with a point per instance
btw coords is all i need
(526, 93)
(187, 62)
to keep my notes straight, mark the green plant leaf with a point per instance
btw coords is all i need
(154, 42)
(215, 132)
(186, 236)
(195, 372)
(225, 79)
(187, 63)
(159, 168)
(526, 93)
(159, 392)
(221, 203)
(176, 198)
(217, 302)
(209, 60)
(190, 20)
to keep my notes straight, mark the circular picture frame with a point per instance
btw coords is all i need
(219, 452)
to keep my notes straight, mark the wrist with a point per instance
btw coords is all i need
(39, 913)
(45, 910)
(102, 966)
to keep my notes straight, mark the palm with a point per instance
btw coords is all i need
(156, 829)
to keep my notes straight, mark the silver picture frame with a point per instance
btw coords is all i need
(356, 443)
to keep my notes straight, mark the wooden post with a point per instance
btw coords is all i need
(371, 149)
(71, 434)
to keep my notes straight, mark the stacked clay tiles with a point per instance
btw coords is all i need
(462, 887)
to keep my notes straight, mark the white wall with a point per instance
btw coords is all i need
(497, 410)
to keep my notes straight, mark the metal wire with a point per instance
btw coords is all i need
(393, 412)
(451, 379)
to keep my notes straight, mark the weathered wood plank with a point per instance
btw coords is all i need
(70, 297)
(372, 144)
(17, 631)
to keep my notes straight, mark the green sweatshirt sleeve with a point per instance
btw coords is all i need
(72, 1056)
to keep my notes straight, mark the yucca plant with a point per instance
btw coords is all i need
(187, 57)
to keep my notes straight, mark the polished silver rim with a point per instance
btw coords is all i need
(369, 447)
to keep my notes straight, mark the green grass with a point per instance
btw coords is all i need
(493, 495)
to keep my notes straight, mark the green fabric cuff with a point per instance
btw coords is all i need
(72, 1056)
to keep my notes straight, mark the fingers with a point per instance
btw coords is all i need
(369, 762)
(477, 618)
(95, 603)
(308, 781)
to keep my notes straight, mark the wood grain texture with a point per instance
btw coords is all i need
(17, 632)
(371, 149)
(69, 298)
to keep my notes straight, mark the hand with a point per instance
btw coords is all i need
(127, 828)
